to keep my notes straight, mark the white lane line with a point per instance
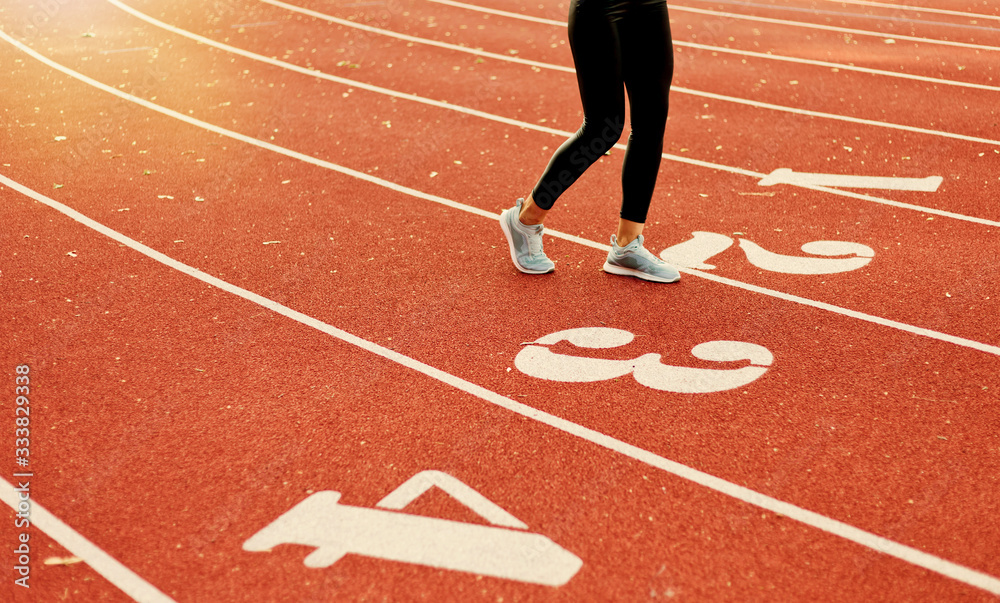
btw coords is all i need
(120, 50)
(493, 11)
(983, 347)
(261, 24)
(838, 66)
(554, 67)
(843, 118)
(919, 9)
(389, 34)
(858, 16)
(748, 53)
(832, 526)
(673, 7)
(104, 564)
(506, 120)
(847, 30)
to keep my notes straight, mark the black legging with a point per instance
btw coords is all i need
(616, 42)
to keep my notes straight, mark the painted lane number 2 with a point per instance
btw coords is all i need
(537, 360)
(695, 252)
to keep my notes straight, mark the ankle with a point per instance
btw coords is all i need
(628, 231)
(531, 214)
(529, 221)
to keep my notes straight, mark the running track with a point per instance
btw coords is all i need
(250, 253)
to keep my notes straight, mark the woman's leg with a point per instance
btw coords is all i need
(647, 68)
(595, 44)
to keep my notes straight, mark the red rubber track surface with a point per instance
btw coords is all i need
(172, 420)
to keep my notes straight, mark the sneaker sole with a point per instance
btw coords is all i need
(513, 252)
(638, 274)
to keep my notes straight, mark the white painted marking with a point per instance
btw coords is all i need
(480, 212)
(426, 101)
(867, 539)
(920, 9)
(838, 248)
(104, 564)
(694, 252)
(787, 264)
(260, 24)
(674, 7)
(540, 362)
(120, 50)
(687, 380)
(760, 55)
(416, 486)
(805, 25)
(542, 65)
(843, 118)
(589, 337)
(502, 13)
(399, 36)
(838, 66)
(337, 530)
(929, 184)
(982, 347)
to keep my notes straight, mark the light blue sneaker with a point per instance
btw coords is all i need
(525, 242)
(634, 260)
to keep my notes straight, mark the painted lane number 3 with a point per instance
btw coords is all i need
(537, 360)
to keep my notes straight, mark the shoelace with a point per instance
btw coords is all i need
(534, 243)
(644, 253)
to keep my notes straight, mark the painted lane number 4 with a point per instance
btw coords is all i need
(537, 360)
